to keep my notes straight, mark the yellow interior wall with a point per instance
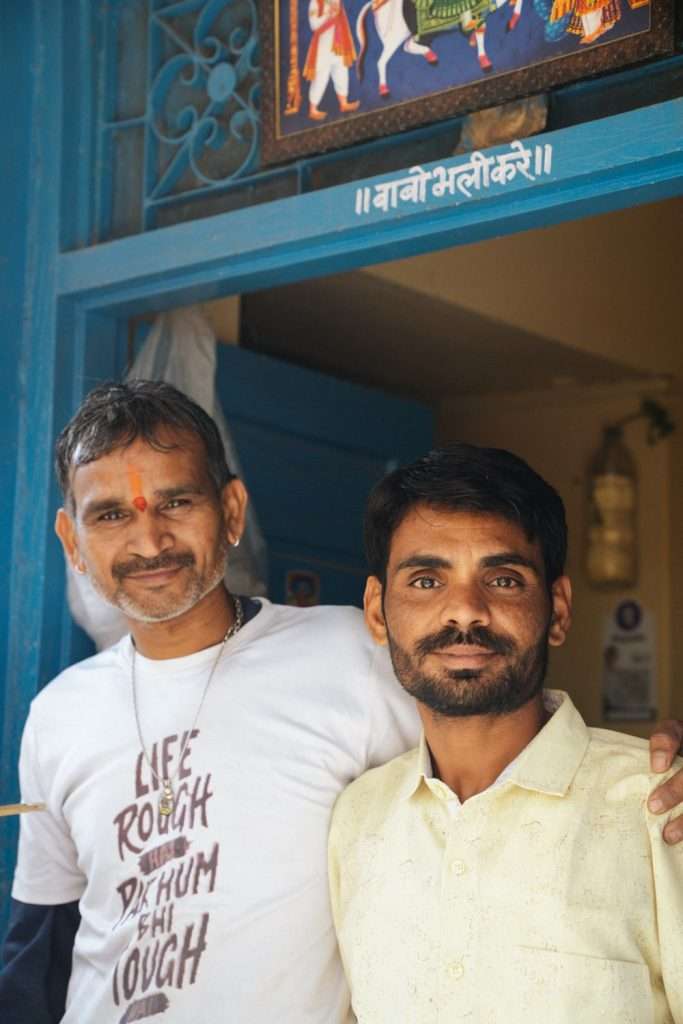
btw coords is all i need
(557, 433)
(607, 285)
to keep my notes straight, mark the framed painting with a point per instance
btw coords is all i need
(339, 71)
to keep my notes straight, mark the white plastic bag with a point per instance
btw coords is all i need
(181, 350)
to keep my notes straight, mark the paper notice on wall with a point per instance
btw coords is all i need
(629, 671)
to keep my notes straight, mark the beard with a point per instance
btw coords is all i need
(456, 693)
(162, 605)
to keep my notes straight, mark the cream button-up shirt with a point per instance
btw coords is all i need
(549, 898)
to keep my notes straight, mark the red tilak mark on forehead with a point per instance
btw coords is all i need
(136, 487)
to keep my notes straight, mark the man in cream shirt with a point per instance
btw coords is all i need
(507, 871)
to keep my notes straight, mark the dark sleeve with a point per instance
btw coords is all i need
(35, 963)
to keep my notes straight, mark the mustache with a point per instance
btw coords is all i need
(159, 562)
(477, 636)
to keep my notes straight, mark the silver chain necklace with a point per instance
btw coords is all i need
(167, 798)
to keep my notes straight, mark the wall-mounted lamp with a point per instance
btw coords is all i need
(612, 542)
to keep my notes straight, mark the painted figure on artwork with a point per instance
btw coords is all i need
(391, 18)
(372, 56)
(411, 24)
(330, 55)
(589, 19)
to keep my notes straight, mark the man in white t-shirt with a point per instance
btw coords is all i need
(188, 773)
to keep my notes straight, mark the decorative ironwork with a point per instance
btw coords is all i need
(203, 103)
(179, 90)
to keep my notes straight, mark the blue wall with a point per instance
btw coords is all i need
(16, 40)
(17, 56)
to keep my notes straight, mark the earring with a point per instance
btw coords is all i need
(236, 543)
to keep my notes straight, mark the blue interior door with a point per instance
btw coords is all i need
(311, 448)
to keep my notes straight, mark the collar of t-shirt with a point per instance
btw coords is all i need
(551, 703)
(187, 667)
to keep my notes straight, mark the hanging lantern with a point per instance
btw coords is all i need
(612, 541)
(611, 557)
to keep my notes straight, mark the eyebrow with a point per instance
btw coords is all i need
(175, 492)
(94, 508)
(510, 558)
(424, 562)
(488, 562)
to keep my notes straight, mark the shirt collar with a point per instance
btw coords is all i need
(547, 764)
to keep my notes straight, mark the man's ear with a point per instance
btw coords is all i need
(234, 499)
(561, 620)
(374, 613)
(65, 529)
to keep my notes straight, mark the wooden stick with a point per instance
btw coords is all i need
(7, 809)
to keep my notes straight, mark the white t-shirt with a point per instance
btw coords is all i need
(219, 913)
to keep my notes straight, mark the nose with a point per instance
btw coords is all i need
(148, 536)
(464, 606)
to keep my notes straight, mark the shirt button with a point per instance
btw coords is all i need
(458, 867)
(456, 970)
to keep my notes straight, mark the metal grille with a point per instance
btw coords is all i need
(178, 112)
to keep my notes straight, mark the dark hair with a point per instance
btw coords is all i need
(465, 477)
(115, 414)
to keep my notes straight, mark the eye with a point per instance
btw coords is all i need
(175, 503)
(506, 582)
(113, 516)
(424, 583)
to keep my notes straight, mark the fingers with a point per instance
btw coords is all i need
(668, 795)
(665, 743)
(673, 833)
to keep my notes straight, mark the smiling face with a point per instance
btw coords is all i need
(149, 528)
(467, 612)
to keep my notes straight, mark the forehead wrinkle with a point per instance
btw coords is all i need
(438, 517)
(196, 470)
(475, 529)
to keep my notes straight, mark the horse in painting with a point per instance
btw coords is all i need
(393, 31)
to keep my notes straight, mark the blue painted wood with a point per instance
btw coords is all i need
(32, 31)
(15, 121)
(16, 49)
(313, 404)
(79, 36)
(599, 166)
(311, 448)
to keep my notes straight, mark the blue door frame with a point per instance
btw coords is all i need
(61, 306)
